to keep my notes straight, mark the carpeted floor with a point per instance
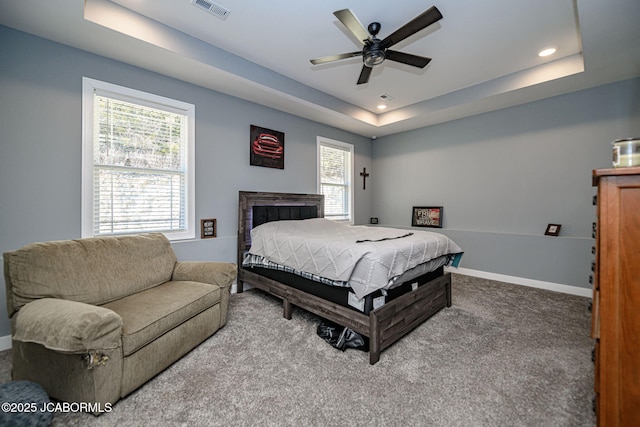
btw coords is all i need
(502, 355)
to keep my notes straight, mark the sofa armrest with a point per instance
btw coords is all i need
(215, 273)
(68, 326)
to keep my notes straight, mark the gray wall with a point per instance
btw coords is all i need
(503, 176)
(40, 147)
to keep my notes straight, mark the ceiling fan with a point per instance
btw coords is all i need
(374, 50)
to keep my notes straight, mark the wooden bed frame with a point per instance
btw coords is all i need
(384, 325)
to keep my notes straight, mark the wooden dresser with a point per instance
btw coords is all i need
(616, 297)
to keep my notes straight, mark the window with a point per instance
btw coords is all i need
(137, 163)
(335, 178)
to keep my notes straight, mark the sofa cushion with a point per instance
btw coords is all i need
(68, 326)
(94, 270)
(151, 313)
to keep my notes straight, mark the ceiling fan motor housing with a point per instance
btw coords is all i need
(374, 28)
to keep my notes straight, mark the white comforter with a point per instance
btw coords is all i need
(367, 257)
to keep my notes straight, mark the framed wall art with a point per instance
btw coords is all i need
(553, 230)
(208, 228)
(266, 147)
(427, 216)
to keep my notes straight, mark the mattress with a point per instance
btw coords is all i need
(426, 267)
(344, 296)
(367, 258)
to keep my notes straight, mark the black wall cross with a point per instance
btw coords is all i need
(364, 176)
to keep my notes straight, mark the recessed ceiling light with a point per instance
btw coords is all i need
(548, 51)
(381, 106)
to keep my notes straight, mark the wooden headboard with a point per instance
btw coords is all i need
(255, 208)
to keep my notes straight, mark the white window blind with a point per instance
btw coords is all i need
(335, 177)
(140, 175)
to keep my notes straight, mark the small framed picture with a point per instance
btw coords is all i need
(552, 230)
(427, 216)
(208, 228)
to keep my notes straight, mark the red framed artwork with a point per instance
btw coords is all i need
(266, 147)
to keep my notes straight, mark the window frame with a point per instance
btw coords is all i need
(332, 143)
(91, 87)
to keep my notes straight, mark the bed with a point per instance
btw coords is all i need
(384, 314)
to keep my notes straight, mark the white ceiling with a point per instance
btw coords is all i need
(484, 52)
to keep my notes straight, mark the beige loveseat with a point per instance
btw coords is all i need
(94, 319)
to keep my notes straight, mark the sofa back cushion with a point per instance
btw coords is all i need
(93, 270)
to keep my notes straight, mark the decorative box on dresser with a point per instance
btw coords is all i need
(616, 297)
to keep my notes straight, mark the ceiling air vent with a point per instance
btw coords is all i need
(212, 8)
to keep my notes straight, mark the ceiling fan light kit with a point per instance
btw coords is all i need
(375, 51)
(373, 56)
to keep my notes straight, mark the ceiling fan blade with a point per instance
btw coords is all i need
(364, 74)
(332, 58)
(416, 24)
(407, 58)
(350, 21)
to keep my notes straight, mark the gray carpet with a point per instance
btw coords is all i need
(502, 355)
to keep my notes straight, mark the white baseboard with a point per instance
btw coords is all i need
(5, 342)
(245, 287)
(557, 287)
